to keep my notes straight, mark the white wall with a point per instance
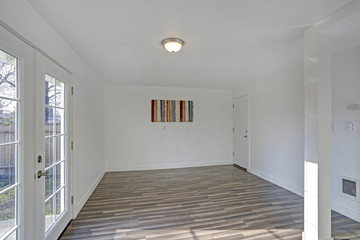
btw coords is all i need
(88, 100)
(277, 128)
(345, 144)
(133, 142)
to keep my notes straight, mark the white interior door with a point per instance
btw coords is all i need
(241, 132)
(53, 171)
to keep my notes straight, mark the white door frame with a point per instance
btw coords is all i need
(45, 66)
(243, 94)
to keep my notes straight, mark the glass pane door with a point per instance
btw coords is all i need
(9, 146)
(53, 166)
(55, 156)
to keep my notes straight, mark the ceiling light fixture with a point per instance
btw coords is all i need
(172, 44)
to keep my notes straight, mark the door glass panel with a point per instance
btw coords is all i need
(7, 166)
(55, 155)
(59, 119)
(49, 91)
(50, 121)
(7, 211)
(60, 148)
(49, 151)
(8, 71)
(49, 213)
(7, 120)
(59, 175)
(12, 236)
(60, 94)
(49, 182)
(9, 107)
(60, 203)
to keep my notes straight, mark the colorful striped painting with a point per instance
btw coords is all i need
(172, 111)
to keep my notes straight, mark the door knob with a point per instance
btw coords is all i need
(245, 136)
(40, 174)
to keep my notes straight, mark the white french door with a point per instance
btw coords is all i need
(35, 127)
(53, 171)
(17, 69)
(9, 144)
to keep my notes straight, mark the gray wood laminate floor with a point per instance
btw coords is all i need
(220, 202)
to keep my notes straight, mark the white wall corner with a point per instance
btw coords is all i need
(78, 205)
(346, 211)
(241, 91)
(278, 182)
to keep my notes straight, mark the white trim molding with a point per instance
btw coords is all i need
(278, 182)
(346, 211)
(167, 166)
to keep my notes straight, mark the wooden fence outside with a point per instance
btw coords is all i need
(7, 152)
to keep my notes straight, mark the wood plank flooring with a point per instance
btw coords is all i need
(220, 202)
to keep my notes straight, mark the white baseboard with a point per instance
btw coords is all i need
(79, 205)
(350, 213)
(311, 238)
(278, 182)
(165, 166)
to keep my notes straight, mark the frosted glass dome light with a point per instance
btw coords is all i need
(172, 44)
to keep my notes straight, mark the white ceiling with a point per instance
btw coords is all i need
(227, 42)
(345, 34)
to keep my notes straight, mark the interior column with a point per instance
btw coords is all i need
(317, 169)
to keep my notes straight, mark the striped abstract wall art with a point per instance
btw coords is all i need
(172, 111)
